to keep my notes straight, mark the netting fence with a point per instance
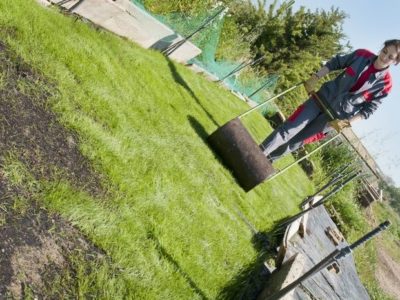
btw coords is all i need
(240, 77)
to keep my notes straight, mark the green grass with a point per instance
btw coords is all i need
(366, 256)
(170, 221)
(384, 211)
(356, 223)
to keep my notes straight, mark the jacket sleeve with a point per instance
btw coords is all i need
(339, 62)
(373, 100)
(368, 108)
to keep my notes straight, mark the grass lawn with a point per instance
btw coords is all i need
(168, 215)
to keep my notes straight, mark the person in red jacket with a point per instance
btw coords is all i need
(353, 95)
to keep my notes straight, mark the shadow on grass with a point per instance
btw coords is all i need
(178, 79)
(250, 281)
(165, 255)
(199, 129)
(203, 134)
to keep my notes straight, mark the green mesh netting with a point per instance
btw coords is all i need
(244, 82)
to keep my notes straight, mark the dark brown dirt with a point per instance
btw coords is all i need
(36, 247)
(30, 130)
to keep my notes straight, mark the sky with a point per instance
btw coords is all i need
(368, 25)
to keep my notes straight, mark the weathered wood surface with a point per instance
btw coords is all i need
(315, 246)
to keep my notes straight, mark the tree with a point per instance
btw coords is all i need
(293, 43)
(392, 193)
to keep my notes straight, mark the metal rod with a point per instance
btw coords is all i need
(318, 267)
(322, 201)
(75, 5)
(325, 187)
(325, 108)
(302, 158)
(62, 2)
(330, 183)
(178, 44)
(242, 66)
(341, 170)
(335, 255)
(268, 81)
(257, 61)
(270, 99)
(172, 48)
(235, 70)
(370, 235)
(338, 176)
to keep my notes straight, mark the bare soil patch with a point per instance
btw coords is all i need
(37, 247)
(31, 131)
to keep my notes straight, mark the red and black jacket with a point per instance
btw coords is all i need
(347, 102)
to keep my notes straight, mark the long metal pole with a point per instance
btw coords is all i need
(320, 202)
(267, 82)
(235, 70)
(302, 158)
(335, 255)
(324, 107)
(75, 5)
(338, 176)
(321, 190)
(168, 51)
(242, 66)
(270, 99)
(62, 2)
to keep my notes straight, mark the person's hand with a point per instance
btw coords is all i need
(310, 83)
(338, 125)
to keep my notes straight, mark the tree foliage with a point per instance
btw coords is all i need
(293, 43)
(392, 193)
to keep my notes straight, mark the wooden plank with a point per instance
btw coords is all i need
(315, 246)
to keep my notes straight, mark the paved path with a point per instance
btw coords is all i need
(125, 19)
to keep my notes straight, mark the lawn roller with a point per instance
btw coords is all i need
(233, 143)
